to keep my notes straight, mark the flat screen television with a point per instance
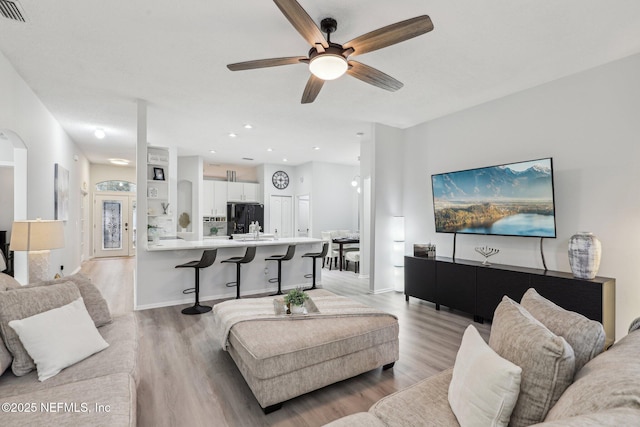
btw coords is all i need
(514, 199)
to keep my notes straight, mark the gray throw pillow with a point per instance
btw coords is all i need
(94, 301)
(585, 336)
(608, 381)
(26, 302)
(5, 357)
(547, 360)
(8, 282)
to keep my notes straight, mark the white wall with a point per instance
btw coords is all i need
(334, 202)
(387, 188)
(268, 190)
(100, 173)
(22, 112)
(589, 124)
(189, 170)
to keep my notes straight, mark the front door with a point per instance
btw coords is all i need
(114, 231)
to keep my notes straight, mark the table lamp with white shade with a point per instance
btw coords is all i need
(37, 237)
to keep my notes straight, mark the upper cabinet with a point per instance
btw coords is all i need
(219, 198)
(243, 192)
(214, 198)
(206, 207)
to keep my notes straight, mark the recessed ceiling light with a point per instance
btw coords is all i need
(232, 135)
(316, 148)
(360, 134)
(248, 126)
(269, 149)
(212, 151)
(121, 162)
(99, 133)
(285, 160)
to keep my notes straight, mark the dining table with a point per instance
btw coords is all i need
(341, 241)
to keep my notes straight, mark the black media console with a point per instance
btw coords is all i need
(477, 289)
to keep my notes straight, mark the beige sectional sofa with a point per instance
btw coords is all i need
(604, 390)
(99, 390)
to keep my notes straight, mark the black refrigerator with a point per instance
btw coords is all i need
(240, 215)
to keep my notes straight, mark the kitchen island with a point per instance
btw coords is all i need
(161, 284)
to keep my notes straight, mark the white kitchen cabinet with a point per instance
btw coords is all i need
(219, 198)
(243, 192)
(207, 204)
(251, 192)
(214, 198)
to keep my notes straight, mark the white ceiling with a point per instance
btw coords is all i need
(89, 60)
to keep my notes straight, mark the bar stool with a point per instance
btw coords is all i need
(291, 250)
(208, 257)
(314, 256)
(249, 255)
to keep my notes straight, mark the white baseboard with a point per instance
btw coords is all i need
(383, 291)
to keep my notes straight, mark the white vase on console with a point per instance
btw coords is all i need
(585, 251)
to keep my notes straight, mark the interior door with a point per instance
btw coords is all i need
(114, 231)
(303, 216)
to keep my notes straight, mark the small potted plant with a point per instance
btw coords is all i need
(184, 221)
(295, 299)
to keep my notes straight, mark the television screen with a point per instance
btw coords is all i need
(515, 199)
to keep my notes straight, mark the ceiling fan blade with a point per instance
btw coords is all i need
(372, 76)
(311, 90)
(389, 35)
(302, 22)
(264, 63)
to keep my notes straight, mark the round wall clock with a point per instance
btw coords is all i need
(280, 180)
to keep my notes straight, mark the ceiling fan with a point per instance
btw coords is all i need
(328, 60)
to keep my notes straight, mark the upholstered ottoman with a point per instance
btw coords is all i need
(284, 356)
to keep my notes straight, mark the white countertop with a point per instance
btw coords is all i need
(180, 244)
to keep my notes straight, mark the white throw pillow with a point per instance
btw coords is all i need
(59, 338)
(484, 387)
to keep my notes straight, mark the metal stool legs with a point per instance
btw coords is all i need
(278, 279)
(249, 255)
(286, 257)
(208, 258)
(313, 281)
(314, 256)
(196, 308)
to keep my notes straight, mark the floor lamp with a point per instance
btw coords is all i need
(397, 231)
(37, 237)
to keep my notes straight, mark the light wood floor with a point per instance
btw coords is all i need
(186, 379)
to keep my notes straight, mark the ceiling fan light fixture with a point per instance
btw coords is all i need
(328, 66)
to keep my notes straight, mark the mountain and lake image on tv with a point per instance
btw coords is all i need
(514, 199)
